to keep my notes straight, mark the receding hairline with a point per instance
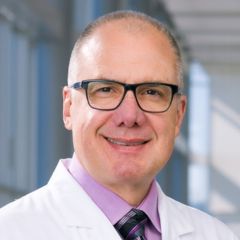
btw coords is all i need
(133, 21)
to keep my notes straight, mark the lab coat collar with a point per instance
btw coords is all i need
(175, 223)
(79, 213)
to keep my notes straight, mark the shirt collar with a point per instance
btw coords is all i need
(103, 196)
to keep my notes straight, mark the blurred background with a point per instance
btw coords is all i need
(36, 38)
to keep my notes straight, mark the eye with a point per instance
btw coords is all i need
(153, 92)
(104, 89)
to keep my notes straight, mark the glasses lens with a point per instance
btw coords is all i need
(154, 97)
(104, 94)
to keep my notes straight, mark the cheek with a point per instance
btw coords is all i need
(84, 118)
(164, 137)
(85, 131)
(85, 143)
(82, 126)
(164, 126)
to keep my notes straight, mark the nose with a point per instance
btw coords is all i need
(128, 113)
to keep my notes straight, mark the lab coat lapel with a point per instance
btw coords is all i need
(89, 222)
(80, 214)
(175, 224)
(84, 220)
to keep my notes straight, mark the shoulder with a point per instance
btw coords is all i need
(25, 214)
(49, 212)
(203, 224)
(41, 204)
(27, 206)
(179, 219)
(43, 207)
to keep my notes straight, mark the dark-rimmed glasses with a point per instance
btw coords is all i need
(107, 95)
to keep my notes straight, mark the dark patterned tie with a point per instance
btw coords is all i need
(131, 225)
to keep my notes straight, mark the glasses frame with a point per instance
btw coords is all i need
(127, 87)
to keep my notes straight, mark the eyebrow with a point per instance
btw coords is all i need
(144, 79)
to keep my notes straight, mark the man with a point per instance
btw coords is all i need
(124, 106)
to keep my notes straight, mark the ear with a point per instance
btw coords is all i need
(181, 109)
(67, 102)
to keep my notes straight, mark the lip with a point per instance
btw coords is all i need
(122, 142)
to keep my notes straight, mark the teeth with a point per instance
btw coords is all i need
(124, 143)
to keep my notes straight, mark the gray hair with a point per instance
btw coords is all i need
(125, 15)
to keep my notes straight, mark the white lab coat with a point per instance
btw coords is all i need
(61, 210)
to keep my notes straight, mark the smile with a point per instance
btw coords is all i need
(127, 143)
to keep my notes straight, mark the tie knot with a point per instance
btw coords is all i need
(131, 225)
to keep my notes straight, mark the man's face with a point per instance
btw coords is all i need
(125, 146)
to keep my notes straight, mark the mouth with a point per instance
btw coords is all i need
(126, 143)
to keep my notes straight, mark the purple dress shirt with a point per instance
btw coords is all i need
(118, 207)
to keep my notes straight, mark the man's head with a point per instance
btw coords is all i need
(124, 148)
(134, 22)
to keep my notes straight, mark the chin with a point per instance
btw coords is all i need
(129, 174)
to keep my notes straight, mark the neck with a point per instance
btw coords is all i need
(132, 194)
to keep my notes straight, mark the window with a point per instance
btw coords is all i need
(17, 142)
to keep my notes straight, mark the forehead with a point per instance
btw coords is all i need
(122, 47)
